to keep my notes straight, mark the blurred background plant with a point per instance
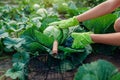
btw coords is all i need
(88, 3)
(48, 3)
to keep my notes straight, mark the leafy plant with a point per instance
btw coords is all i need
(115, 77)
(89, 3)
(12, 44)
(22, 57)
(36, 41)
(68, 7)
(45, 21)
(102, 24)
(98, 70)
(53, 32)
(16, 72)
(3, 34)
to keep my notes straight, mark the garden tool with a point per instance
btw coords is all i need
(55, 47)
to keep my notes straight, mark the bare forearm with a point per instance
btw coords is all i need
(111, 39)
(102, 9)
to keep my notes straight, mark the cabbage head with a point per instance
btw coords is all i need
(98, 70)
(52, 31)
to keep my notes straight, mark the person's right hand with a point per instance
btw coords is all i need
(80, 40)
(65, 23)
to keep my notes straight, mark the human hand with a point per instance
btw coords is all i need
(80, 40)
(65, 23)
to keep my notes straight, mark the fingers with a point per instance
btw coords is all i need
(53, 23)
(74, 35)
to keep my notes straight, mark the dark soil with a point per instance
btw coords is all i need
(5, 64)
(51, 76)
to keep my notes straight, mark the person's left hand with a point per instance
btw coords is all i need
(65, 23)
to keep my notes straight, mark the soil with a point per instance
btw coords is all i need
(51, 76)
(5, 64)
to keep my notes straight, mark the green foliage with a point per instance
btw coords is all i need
(45, 21)
(43, 39)
(101, 24)
(22, 57)
(99, 70)
(53, 32)
(36, 41)
(12, 44)
(115, 77)
(65, 34)
(72, 57)
(16, 72)
(66, 65)
(3, 34)
(68, 50)
(88, 3)
(34, 46)
(66, 7)
(1, 47)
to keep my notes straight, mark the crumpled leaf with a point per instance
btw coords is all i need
(13, 42)
(43, 39)
(16, 71)
(101, 24)
(36, 41)
(36, 21)
(22, 57)
(3, 34)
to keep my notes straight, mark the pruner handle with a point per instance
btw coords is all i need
(55, 47)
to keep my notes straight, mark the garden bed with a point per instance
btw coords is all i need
(114, 59)
(24, 33)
